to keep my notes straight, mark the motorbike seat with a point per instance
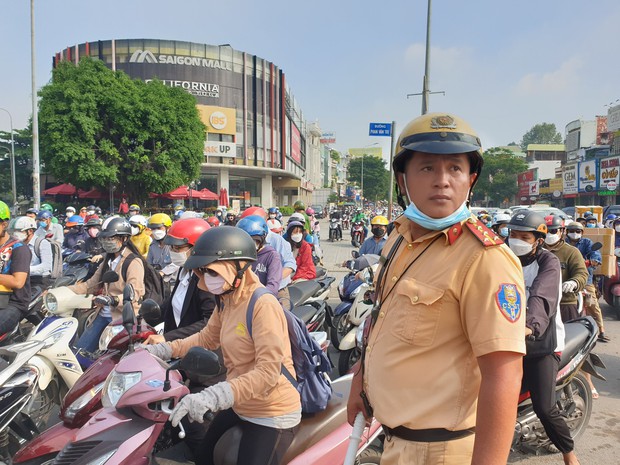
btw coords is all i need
(326, 281)
(302, 291)
(304, 312)
(311, 430)
(576, 335)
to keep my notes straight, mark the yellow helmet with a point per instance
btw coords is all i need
(380, 220)
(160, 219)
(438, 133)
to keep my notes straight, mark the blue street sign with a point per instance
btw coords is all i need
(380, 129)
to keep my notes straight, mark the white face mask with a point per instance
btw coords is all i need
(574, 236)
(617, 228)
(215, 284)
(21, 236)
(178, 258)
(159, 234)
(297, 237)
(519, 247)
(135, 230)
(552, 239)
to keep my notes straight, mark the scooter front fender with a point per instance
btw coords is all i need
(342, 308)
(50, 442)
(45, 368)
(348, 342)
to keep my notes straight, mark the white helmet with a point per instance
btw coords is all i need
(22, 223)
(70, 209)
(501, 218)
(189, 214)
(297, 217)
(136, 220)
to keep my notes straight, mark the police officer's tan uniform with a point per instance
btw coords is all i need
(461, 299)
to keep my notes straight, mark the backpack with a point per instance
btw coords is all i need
(56, 255)
(153, 281)
(311, 364)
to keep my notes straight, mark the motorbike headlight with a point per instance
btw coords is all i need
(116, 384)
(355, 292)
(50, 302)
(108, 334)
(81, 401)
(341, 288)
(102, 458)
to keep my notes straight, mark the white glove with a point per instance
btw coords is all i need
(212, 399)
(569, 286)
(161, 350)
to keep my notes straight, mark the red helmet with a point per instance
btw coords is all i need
(186, 231)
(554, 222)
(213, 221)
(260, 211)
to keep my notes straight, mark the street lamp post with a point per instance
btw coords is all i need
(36, 175)
(13, 181)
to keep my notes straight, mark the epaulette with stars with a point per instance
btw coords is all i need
(485, 235)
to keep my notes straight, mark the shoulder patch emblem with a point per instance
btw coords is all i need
(485, 235)
(508, 301)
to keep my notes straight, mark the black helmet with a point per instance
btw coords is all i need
(93, 221)
(529, 221)
(115, 226)
(219, 244)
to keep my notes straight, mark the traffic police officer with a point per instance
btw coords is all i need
(442, 364)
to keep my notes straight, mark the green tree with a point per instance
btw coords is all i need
(543, 133)
(376, 176)
(101, 128)
(498, 179)
(335, 155)
(23, 163)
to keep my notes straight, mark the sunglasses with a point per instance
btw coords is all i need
(206, 270)
(573, 230)
(552, 231)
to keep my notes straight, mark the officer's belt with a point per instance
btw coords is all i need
(427, 435)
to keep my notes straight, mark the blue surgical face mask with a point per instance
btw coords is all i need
(503, 232)
(434, 224)
(590, 225)
(42, 224)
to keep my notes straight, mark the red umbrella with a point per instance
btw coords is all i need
(224, 197)
(181, 192)
(91, 194)
(206, 194)
(62, 189)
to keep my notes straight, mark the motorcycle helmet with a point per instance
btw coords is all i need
(115, 226)
(501, 218)
(158, 220)
(138, 220)
(299, 205)
(297, 217)
(309, 211)
(272, 211)
(529, 221)
(379, 220)
(260, 211)
(293, 224)
(47, 206)
(574, 226)
(75, 220)
(5, 212)
(186, 231)
(134, 209)
(554, 222)
(254, 225)
(221, 244)
(93, 222)
(44, 215)
(22, 223)
(213, 221)
(70, 211)
(32, 211)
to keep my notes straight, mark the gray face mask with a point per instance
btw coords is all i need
(111, 245)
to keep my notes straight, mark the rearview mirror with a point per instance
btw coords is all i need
(150, 311)
(128, 293)
(355, 254)
(129, 317)
(596, 246)
(110, 277)
(200, 361)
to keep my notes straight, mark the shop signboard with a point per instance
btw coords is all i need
(533, 191)
(295, 143)
(609, 173)
(220, 149)
(587, 176)
(328, 138)
(543, 186)
(523, 181)
(218, 120)
(570, 185)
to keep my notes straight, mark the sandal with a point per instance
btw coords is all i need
(594, 393)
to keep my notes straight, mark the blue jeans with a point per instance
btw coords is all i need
(89, 340)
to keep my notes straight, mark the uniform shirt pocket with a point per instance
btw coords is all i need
(416, 312)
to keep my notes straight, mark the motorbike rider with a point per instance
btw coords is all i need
(574, 271)
(32, 213)
(543, 326)
(23, 229)
(47, 228)
(268, 264)
(500, 225)
(69, 212)
(574, 237)
(159, 253)
(139, 235)
(115, 235)
(75, 237)
(335, 215)
(299, 207)
(315, 227)
(93, 245)
(302, 251)
(374, 245)
(360, 217)
(134, 209)
(90, 211)
(433, 318)
(255, 395)
(609, 221)
(231, 219)
(15, 259)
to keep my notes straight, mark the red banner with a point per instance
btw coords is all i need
(295, 144)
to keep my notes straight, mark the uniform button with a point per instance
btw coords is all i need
(415, 298)
(410, 246)
(394, 278)
(368, 349)
(381, 315)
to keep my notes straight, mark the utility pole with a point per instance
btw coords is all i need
(391, 194)
(427, 66)
(36, 175)
(13, 181)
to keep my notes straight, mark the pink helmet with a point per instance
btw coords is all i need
(309, 211)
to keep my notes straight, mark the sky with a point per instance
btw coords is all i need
(504, 66)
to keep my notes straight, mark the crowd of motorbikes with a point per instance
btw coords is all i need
(115, 403)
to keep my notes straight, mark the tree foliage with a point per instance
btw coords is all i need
(23, 163)
(498, 179)
(543, 133)
(376, 176)
(100, 128)
(335, 155)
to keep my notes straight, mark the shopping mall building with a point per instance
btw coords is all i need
(257, 145)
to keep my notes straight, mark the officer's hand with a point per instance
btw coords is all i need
(569, 286)
(155, 339)
(355, 403)
(528, 331)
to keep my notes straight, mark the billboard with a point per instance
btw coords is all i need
(328, 138)
(374, 151)
(613, 119)
(609, 172)
(295, 144)
(569, 177)
(218, 120)
(220, 149)
(587, 176)
(523, 181)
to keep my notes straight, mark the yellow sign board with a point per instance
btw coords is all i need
(218, 120)
(373, 151)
